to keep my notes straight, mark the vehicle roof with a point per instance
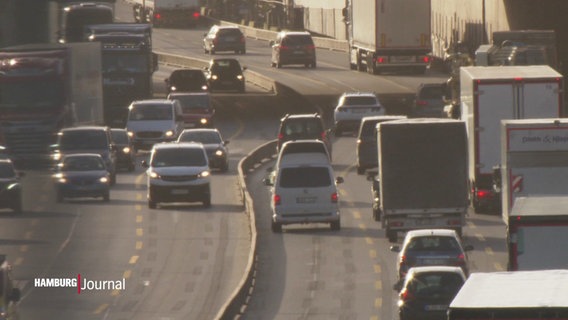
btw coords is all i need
(184, 94)
(293, 160)
(424, 269)
(178, 145)
(295, 33)
(301, 115)
(153, 101)
(183, 70)
(365, 94)
(85, 128)
(78, 155)
(431, 232)
(227, 27)
(517, 289)
(201, 130)
(511, 72)
(381, 118)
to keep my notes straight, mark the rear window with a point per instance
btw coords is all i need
(83, 164)
(305, 127)
(120, 137)
(368, 129)
(179, 157)
(200, 136)
(360, 101)
(437, 243)
(431, 92)
(303, 148)
(305, 177)
(186, 75)
(229, 32)
(431, 284)
(297, 40)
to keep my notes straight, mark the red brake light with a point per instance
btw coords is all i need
(215, 41)
(242, 39)
(381, 60)
(421, 103)
(322, 134)
(284, 48)
(426, 59)
(196, 15)
(334, 197)
(406, 295)
(276, 199)
(461, 260)
(483, 194)
(157, 16)
(280, 136)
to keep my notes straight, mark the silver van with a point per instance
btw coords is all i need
(152, 121)
(303, 190)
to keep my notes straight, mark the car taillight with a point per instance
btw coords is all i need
(322, 135)
(425, 59)
(276, 199)
(421, 103)
(406, 295)
(483, 194)
(284, 48)
(280, 136)
(311, 48)
(242, 39)
(334, 197)
(196, 15)
(460, 260)
(157, 16)
(381, 59)
(215, 41)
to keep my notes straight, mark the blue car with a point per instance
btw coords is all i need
(82, 175)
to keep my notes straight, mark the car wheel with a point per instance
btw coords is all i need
(106, 197)
(360, 170)
(278, 65)
(272, 64)
(335, 226)
(152, 204)
(276, 227)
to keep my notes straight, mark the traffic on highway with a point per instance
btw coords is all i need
(151, 170)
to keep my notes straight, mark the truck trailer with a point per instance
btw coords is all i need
(491, 94)
(127, 66)
(519, 295)
(422, 175)
(388, 35)
(43, 88)
(179, 13)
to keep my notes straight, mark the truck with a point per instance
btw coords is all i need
(533, 159)
(388, 35)
(422, 175)
(127, 66)
(179, 13)
(494, 93)
(43, 88)
(526, 295)
(74, 16)
(519, 47)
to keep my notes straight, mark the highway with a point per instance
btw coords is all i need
(183, 261)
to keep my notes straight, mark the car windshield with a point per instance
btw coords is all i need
(119, 136)
(83, 164)
(192, 102)
(307, 128)
(305, 177)
(435, 284)
(205, 137)
(179, 157)
(83, 140)
(226, 65)
(360, 101)
(432, 243)
(229, 32)
(432, 92)
(187, 75)
(144, 112)
(7, 170)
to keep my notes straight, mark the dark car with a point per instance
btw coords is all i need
(82, 175)
(197, 108)
(225, 74)
(215, 146)
(224, 38)
(10, 188)
(431, 247)
(430, 100)
(87, 139)
(4, 153)
(303, 126)
(426, 292)
(186, 80)
(293, 47)
(125, 154)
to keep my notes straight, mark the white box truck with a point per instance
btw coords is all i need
(491, 94)
(422, 175)
(388, 34)
(525, 295)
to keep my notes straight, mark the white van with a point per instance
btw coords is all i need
(152, 121)
(304, 191)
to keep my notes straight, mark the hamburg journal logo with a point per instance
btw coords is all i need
(81, 284)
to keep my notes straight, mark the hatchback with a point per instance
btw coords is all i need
(431, 247)
(303, 126)
(430, 100)
(215, 146)
(186, 80)
(426, 292)
(197, 108)
(225, 74)
(293, 47)
(354, 106)
(224, 38)
(82, 175)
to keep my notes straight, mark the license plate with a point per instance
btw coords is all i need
(403, 59)
(180, 191)
(435, 307)
(433, 261)
(298, 52)
(305, 199)
(358, 110)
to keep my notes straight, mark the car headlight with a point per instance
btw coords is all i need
(130, 134)
(219, 153)
(154, 175)
(214, 77)
(103, 180)
(173, 88)
(169, 133)
(204, 88)
(60, 178)
(204, 174)
(126, 150)
(240, 77)
(203, 121)
(57, 156)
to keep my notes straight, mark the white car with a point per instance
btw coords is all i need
(178, 172)
(354, 106)
(304, 191)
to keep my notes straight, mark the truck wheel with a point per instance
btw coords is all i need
(392, 235)
(370, 65)
(335, 226)
(276, 227)
(152, 204)
(376, 214)
(360, 65)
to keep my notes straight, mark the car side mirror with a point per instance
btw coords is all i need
(267, 182)
(15, 295)
(144, 164)
(244, 68)
(339, 180)
(394, 248)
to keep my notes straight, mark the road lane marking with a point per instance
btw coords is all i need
(369, 240)
(139, 219)
(377, 268)
(372, 254)
(138, 207)
(378, 303)
(101, 308)
(362, 226)
(356, 214)
(127, 274)
(139, 196)
(498, 266)
(480, 237)
(471, 225)
(489, 251)
(378, 285)
(138, 245)
(139, 232)
(133, 259)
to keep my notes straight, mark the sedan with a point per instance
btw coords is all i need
(215, 146)
(426, 292)
(10, 188)
(225, 74)
(82, 175)
(352, 107)
(431, 247)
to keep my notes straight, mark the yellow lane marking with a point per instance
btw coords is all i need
(498, 266)
(138, 207)
(378, 285)
(489, 251)
(369, 240)
(127, 274)
(139, 196)
(356, 214)
(480, 237)
(101, 308)
(139, 219)
(133, 259)
(138, 245)
(139, 232)
(115, 293)
(378, 303)
(362, 226)
(377, 268)
(372, 254)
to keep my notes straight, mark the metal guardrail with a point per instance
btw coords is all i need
(237, 303)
